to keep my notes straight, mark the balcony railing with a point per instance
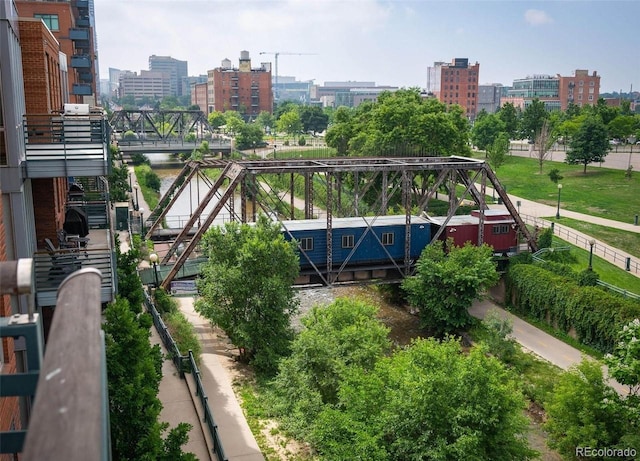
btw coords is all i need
(81, 89)
(79, 34)
(69, 419)
(59, 145)
(80, 61)
(52, 268)
(83, 22)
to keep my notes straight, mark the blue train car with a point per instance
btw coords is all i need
(358, 241)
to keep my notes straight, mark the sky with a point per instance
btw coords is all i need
(389, 42)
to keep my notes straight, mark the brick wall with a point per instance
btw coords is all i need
(49, 196)
(9, 410)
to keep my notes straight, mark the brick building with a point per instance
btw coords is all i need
(243, 89)
(199, 96)
(71, 22)
(40, 148)
(580, 89)
(459, 85)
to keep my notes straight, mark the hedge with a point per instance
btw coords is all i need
(594, 314)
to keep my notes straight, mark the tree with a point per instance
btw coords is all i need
(233, 121)
(313, 119)
(497, 151)
(216, 119)
(428, 401)
(134, 370)
(544, 140)
(290, 123)
(624, 363)
(266, 120)
(533, 119)
(446, 283)
(486, 130)
(344, 334)
(243, 294)
(621, 127)
(583, 411)
(590, 143)
(340, 132)
(249, 135)
(509, 116)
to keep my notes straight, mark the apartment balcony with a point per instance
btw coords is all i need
(82, 5)
(85, 77)
(79, 34)
(81, 89)
(83, 22)
(66, 145)
(71, 377)
(81, 61)
(55, 264)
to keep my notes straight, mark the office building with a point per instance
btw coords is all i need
(153, 85)
(348, 94)
(174, 68)
(489, 97)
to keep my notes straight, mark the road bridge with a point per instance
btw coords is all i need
(411, 181)
(169, 146)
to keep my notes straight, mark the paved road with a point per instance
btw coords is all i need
(539, 342)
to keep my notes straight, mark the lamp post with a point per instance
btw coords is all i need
(130, 186)
(135, 205)
(142, 232)
(153, 257)
(592, 243)
(558, 210)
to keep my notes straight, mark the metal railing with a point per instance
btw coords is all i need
(187, 363)
(607, 253)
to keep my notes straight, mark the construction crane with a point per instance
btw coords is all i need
(276, 54)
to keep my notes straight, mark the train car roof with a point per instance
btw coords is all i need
(460, 220)
(353, 222)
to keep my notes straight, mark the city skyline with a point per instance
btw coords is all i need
(388, 42)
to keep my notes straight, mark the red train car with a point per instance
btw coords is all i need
(499, 229)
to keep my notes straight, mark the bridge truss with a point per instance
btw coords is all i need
(160, 125)
(411, 182)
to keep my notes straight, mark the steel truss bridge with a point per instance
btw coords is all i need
(160, 125)
(414, 180)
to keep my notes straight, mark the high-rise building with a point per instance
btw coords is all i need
(489, 97)
(459, 85)
(72, 24)
(243, 89)
(174, 68)
(154, 85)
(348, 94)
(433, 78)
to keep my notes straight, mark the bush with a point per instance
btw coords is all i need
(165, 304)
(183, 334)
(130, 136)
(588, 278)
(302, 141)
(139, 158)
(545, 238)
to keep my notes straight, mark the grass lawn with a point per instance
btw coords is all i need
(601, 192)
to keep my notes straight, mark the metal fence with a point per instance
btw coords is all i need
(568, 235)
(187, 363)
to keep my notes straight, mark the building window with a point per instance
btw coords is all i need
(591, 90)
(306, 244)
(592, 83)
(387, 238)
(501, 229)
(579, 97)
(348, 241)
(581, 83)
(51, 20)
(580, 90)
(590, 97)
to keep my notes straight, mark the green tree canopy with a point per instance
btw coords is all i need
(510, 117)
(447, 283)
(234, 121)
(313, 119)
(290, 123)
(243, 294)
(428, 401)
(532, 120)
(216, 119)
(266, 120)
(590, 143)
(486, 130)
(249, 135)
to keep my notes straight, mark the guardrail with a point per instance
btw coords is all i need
(610, 254)
(187, 363)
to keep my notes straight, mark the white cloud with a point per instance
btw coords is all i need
(537, 17)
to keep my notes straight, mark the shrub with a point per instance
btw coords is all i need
(588, 278)
(183, 334)
(302, 141)
(165, 304)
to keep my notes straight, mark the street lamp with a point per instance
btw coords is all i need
(135, 205)
(558, 210)
(592, 243)
(142, 232)
(130, 187)
(153, 257)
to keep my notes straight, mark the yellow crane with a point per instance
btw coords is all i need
(276, 54)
